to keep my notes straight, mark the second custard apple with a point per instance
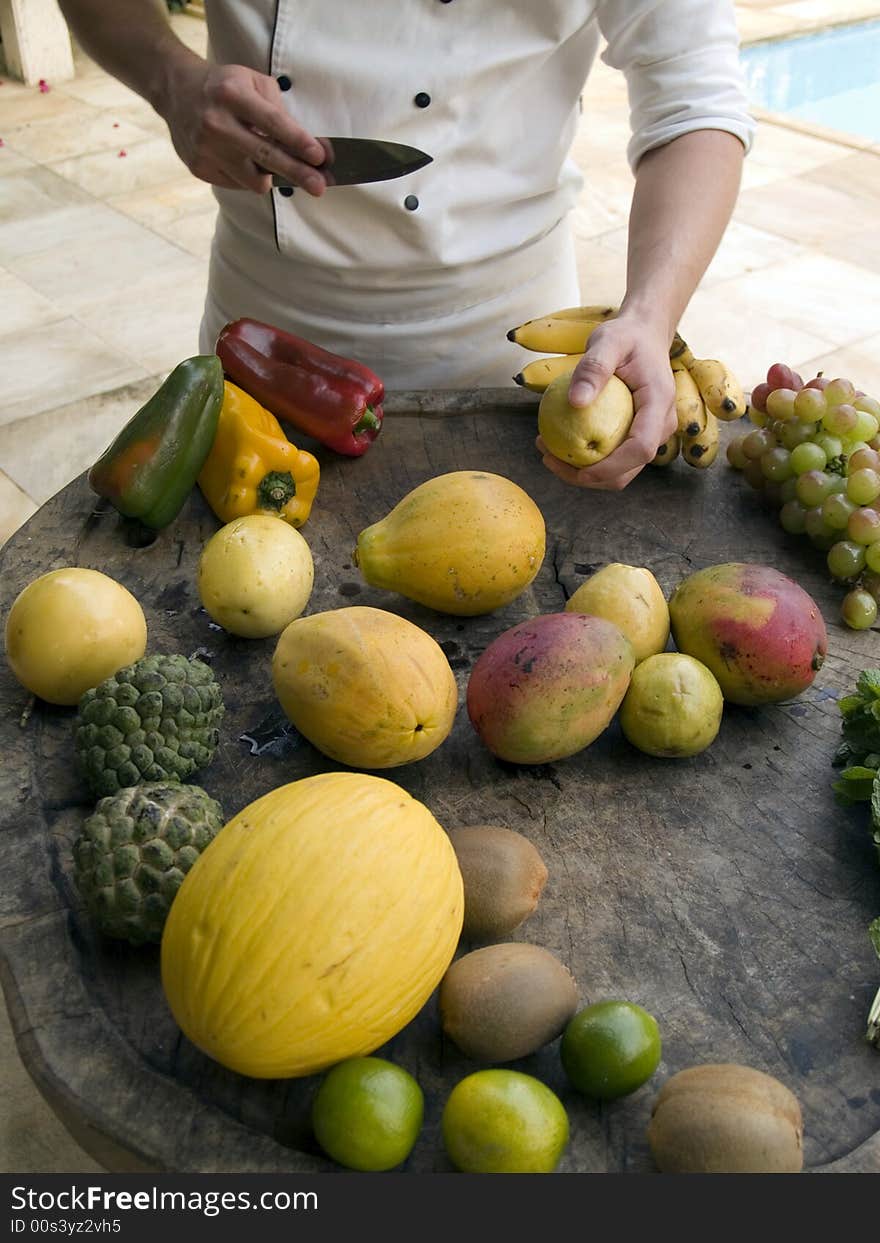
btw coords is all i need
(155, 720)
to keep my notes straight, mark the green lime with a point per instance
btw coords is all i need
(610, 1049)
(504, 1122)
(367, 1114)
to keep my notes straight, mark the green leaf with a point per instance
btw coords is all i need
(849, 704)
(874, 934)
(869, 683)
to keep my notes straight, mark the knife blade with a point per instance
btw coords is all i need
(355, 161)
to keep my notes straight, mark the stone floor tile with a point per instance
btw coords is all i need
(100, 254)
(160, 326)
(81, 130)
(71, 437)
(12, 162)
(727, 325)
(859, 362)
(164, 204)
(149, 162)
(22, 308)
(49, 365)
(806, 210)
(825, 298)
(29, 193)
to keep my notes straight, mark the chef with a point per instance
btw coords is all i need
(420, 277)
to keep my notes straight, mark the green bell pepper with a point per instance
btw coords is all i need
(152, 465)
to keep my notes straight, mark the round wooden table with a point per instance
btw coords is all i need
(728, 894)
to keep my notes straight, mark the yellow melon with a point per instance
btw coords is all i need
(314, 927)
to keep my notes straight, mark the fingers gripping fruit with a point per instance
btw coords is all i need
(706, 390)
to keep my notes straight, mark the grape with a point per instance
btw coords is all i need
(781, 376)
(776, 465)
(839, 391)
(819, 382)
(824, 540)
(756, 443)
(875, 443)
(846, 559)
(859, 609)
(864, 525)
(815, 525)
(758, 396)
(808, 456)
(863, 459)
(813, 486)
(788, 490)
(753, 473)
(780, 403)
(841, 420)
(792, 518)
(810, 405)
(757, 417)
(735, 455)
(872, 558)
(836, 510)
(795, 433)
(869, 404)
(863, 486)
(838, 483)
(867, 426)
(832, 445)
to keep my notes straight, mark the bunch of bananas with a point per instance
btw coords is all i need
(706, 390)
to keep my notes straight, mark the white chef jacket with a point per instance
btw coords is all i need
(421, 276)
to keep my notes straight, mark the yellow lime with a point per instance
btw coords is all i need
(367, 1114)
(504, 1122)
(673, 706)
(611, 1048)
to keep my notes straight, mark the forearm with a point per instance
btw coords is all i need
(684, 196)
(132, 40)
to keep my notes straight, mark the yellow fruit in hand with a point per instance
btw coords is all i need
(631, 597)
(69, 630)
(584, 435)
(673, 706)
(255, 576)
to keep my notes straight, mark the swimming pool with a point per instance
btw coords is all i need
(831, 77)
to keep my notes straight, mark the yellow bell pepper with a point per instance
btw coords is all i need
(253, 468)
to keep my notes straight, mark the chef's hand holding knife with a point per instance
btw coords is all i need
(230, 127)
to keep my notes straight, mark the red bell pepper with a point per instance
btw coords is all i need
(335, 400)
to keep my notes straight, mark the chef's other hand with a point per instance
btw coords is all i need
(638, 352)
(230, 128)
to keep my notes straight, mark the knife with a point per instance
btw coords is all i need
(354, 161)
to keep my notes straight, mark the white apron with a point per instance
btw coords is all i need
(421, 277)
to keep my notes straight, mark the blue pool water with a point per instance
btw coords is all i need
(831, 78)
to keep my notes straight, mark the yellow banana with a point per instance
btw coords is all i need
(689, 408)
(702, 450)
(554, 336)
(679, 351)
(719, 387)
(597, 314)
(536, 375)
(668, 451)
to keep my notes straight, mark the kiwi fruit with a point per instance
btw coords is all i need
(505, 1001)
(503, 878)
(726, 1119)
